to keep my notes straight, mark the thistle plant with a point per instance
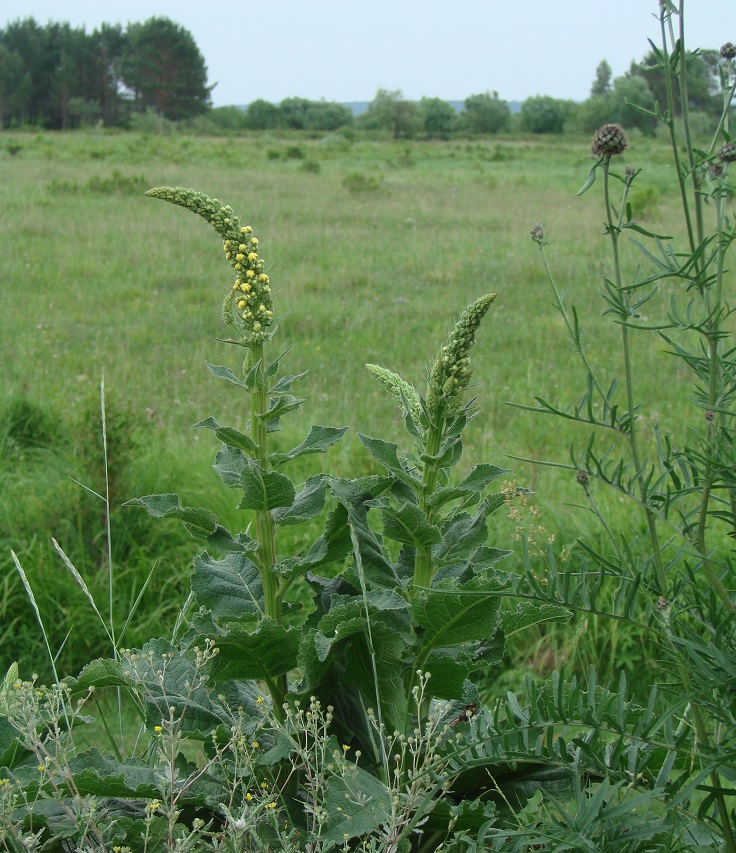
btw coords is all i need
(677, 584)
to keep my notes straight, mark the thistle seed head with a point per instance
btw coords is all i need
(537, 232)
(728, 50)
(609, 141)
(727, 152)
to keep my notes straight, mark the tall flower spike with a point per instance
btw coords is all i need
(248, 306)
(405, 394)
(450, 374)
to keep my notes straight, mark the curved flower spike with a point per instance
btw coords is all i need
(248, 306)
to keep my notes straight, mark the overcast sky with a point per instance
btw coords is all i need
(344, 50)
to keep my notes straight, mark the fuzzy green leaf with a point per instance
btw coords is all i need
(319, 440)
(280, 406)
(220, 371)
(229, 588)
(268, 651)
(357, 804)
(228, 435)
(462, 535)
(354, 494)
(458, 614)
(200, 522)
(408, 523)
(264, 490)
(309, 503)
(386, 454)
(229, 464)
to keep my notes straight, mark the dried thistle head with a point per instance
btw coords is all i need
(727, 152)
(609, 141)
(728, 50)
(248, 306)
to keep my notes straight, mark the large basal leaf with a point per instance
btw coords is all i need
(200, 522)
(458, 614)
(309, 503)
(229, 588)
(11, 750)
(319, 440)
(264, 490)
(357, 803)
(347, 616)
(167, 677)
(95, 774)
(264, 653)
(386, 454)
(407, 523)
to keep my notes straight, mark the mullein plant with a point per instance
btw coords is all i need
(407, 605)
(677, 583)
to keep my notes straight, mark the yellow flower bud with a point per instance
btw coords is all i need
(254, 240)
(241, 304)
(240, 257)
(263, 277)
(250, 274)
(242, 247)
(252, 256)
(238, 267)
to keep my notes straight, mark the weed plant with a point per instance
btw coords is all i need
(334, 694)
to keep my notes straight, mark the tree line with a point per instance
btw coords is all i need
(60, 77)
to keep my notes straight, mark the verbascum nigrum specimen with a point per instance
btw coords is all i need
(450, 373)
(248, 306)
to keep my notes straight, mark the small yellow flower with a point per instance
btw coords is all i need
(254, 240)
(249, 796)
(263, 277)
(41, 768)
(256, 327)
(250, 274)
(252, 256)
(158, 729)
(241, 304)
(242, 247)
(345, 747)
(271, 805)
(238, 267)
(264, 785)
(259, 700)
(255, 744)
(240, 257)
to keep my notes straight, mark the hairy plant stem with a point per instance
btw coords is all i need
(423, 563)
(613, 232)
(265, 530)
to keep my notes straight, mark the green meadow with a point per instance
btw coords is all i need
(372, 248)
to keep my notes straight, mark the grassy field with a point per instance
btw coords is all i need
(373, 248)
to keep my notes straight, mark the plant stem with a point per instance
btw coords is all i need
(613, 231)
(423, 563)
(265, 529)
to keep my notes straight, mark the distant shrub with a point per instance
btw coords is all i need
(358, 182)
(311, 166)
